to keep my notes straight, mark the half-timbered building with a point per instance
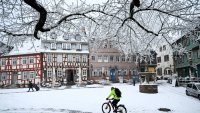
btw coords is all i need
(51, 59)
(19, 69)
(64, 57)
(21, 65)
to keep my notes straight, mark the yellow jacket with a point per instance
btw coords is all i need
(112, 93)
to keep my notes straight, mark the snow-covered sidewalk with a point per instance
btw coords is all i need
(90, 99)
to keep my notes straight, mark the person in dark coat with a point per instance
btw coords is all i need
(30, 86)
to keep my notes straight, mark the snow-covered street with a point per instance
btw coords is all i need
(90, 99)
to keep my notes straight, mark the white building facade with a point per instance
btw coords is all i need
(165, 65)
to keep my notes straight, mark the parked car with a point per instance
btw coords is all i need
(193, 89)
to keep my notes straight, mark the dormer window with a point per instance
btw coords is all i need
(53, 46)
(66, 36)
(73, 46)
(64, 46)
(78, 47)
(47, 45)
(78, 37)
(59, 45)
(84, 47)
(69, 46)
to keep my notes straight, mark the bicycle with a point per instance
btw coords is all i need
(107, 106)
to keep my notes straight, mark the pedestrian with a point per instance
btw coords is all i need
(30, 86)
(133, 81)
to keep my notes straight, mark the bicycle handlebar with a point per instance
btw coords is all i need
(110, 99)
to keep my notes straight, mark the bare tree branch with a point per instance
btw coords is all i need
(43, 15)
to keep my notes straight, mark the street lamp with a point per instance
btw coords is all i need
(190, 64)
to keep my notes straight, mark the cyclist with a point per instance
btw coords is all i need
(116, 98)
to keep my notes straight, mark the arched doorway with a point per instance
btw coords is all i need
(69, 76)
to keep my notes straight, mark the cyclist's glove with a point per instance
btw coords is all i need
(106, 98)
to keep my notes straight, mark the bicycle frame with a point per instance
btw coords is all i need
(110, 103)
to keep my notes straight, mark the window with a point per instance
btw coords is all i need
(159, 59)
(59, 45)
(117, 59)
(2, 62)
(123, 58)
(32, 75)
(198, 53)
(99, 71)
(84, 72)
(31, 60)
(160, 49)
(84, 58)
(47, 45)
(93, 58)
(166, 58)
(111, 58)
(78, 37)
(159, 71)
(53, 46)
(77, 58)
(111, 45)
(59, 72)
(194, 87)
(78, 46)
(14, 61)
(59, 58)
(24, 60)
(134, 58)
(84, 47)
(25, 75)
(70, 58)
(49, 58)
(64, 46)
(99, 59)
(3, 76)
(73, 46)
(105, 58)
(128, 59)
(68, 46)
(49, 73)
(164, 47)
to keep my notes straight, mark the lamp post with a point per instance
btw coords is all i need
(190, 65)
(91, 69)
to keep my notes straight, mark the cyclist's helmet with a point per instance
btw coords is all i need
(112, 88)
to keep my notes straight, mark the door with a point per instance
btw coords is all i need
(70, 76)
(14, 78)
(112, 75)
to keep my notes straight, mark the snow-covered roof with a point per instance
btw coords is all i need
(66, 37)
(31, 46)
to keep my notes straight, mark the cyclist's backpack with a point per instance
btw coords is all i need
(118, 92)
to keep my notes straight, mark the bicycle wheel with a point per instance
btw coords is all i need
(106, 108)
(121, 109)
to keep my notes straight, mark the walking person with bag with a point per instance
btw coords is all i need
(30, 86)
